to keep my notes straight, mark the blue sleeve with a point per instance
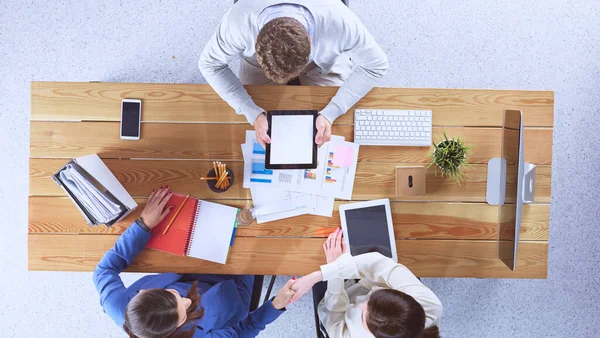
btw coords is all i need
(250, 326)
(106, 275)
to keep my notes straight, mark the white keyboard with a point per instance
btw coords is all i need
(392, 127)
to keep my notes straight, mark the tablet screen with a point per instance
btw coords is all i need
(292, 139)
(368, 230)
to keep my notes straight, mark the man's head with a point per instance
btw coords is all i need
(283, 49)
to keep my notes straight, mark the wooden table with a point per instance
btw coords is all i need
(450, 232)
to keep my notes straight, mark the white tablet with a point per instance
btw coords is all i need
(292, 134)
(368, 227)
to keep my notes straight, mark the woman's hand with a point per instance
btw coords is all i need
(154, 211)
(305, 283)
(334, 246)
(284, 296)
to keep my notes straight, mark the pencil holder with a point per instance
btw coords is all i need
(211, 184)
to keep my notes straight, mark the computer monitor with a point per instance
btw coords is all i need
(510, 212)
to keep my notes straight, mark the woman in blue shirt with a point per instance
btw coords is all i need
(173, 305)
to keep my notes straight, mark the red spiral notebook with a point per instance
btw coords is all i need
(201, 230)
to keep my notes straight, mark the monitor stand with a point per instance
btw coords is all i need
(496, 182)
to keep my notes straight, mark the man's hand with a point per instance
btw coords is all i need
(305, 283)
(323, 130)
(284, 296)
(334, 246)
(154, 211)
(261, 127)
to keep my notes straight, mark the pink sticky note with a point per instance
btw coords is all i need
(342, 156)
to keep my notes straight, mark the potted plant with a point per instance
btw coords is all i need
(449, 157)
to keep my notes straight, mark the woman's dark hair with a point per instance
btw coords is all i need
(153, 314)
(394, 314)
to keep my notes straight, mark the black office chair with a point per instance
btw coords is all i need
(257, 291)
(318, 291)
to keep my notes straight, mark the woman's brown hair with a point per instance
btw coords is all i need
(394, 314)
(153, 314)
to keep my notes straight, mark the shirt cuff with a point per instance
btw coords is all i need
(330, 271)
(250, 110)
(331, 112)
(139, 233)
(335, 286)
(268, 313)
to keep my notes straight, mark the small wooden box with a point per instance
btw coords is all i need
(410, 181)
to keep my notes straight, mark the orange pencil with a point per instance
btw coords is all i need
(176, 213)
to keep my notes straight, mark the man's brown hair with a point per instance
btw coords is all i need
(282, 49)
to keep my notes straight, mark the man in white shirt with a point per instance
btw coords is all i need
(319, 41)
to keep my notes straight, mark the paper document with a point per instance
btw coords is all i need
(332, 178)
(97, 203)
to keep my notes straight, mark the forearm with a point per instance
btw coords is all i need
(250, 326)
(223, 47)
(358, 84)
(127, 247)
(230, 89)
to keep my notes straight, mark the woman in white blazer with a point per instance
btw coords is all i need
(388, 301)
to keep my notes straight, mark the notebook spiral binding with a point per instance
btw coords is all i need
(191, 229)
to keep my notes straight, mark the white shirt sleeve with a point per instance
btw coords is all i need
(370, 65)
(384, 271)
(225, 45)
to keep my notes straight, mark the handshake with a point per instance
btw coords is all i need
(294, 289)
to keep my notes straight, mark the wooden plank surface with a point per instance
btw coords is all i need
(449, 232)
(477, 221)
(222, 141)
(199, 103)
(291, 256)
(372, 181)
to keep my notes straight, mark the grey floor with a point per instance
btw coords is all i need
(550, 44)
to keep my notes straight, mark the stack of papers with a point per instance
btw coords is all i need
(95, 200)
(279, 194)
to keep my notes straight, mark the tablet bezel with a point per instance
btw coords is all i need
(312, 165)
(361, 205)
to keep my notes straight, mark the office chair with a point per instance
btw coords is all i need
(346, 2)
(257, 291)
(318, 291)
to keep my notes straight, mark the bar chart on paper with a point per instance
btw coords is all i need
(259, 173)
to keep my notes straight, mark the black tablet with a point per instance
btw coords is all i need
(292, 134)
(368, 227)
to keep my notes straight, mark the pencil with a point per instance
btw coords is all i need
(215, 168)
(209, 178)
(220, 181)
(176, 213)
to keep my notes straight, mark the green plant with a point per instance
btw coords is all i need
(449, 157)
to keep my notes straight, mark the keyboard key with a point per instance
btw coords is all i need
(396, 113)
